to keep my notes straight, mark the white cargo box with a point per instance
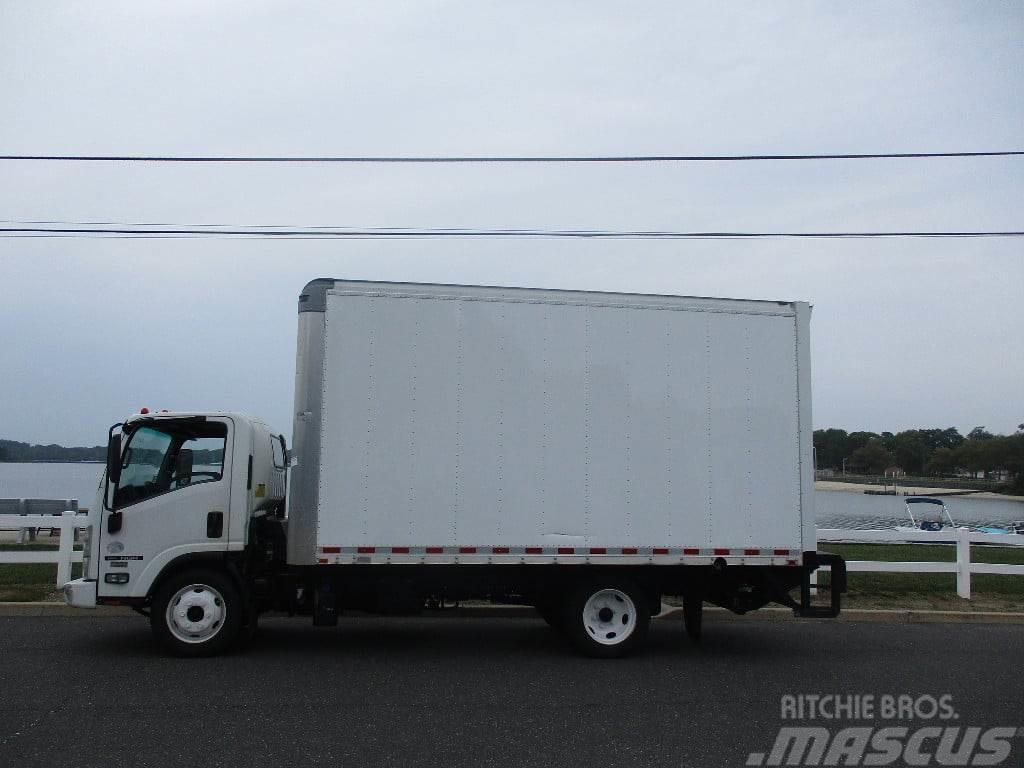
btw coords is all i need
(457, 424)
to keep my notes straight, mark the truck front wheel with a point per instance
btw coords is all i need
(606, 619)
(196, 613)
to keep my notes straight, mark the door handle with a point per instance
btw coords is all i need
(214, 525)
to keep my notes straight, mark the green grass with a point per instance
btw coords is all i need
(931, 590)
(31, 582)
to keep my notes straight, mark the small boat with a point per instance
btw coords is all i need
(945, 519)
(1016, 527)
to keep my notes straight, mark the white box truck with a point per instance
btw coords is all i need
(584, 453)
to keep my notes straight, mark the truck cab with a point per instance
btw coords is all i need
(181, 491)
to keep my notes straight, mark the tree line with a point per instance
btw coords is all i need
(923, 452)
(13, 451)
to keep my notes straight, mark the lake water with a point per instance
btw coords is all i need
(843, 509)
(50, 481)
(835, 509)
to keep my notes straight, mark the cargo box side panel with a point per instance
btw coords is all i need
(451, 422)
(524, 415)
(752, 432)
(390, 422)
(472, 421)
(520, 467)
(663, 448)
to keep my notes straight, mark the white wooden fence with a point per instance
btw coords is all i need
(961, 537)
(23, 514)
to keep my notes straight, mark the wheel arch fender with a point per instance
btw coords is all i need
(212, 560)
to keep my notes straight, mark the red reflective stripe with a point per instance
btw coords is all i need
(504, 550)
(791, 562)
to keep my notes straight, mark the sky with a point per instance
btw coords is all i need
(905, 333)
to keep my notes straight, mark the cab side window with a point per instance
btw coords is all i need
(166, 456)
(199, 459)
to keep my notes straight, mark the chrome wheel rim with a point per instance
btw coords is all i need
(609, 616)
(196, 613)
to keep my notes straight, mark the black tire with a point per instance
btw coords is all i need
(612, 631)
(216, 626)
(693, 616)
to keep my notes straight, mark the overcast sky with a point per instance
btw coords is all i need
(906, 333)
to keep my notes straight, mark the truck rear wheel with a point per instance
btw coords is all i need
(606, 618)
(196, 613)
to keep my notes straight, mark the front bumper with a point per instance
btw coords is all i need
(80, 593)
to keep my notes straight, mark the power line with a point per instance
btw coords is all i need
(496, 158)
(398, 233)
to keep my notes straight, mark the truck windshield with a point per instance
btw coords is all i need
(167, 456)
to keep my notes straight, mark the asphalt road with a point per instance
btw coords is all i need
(466, 691)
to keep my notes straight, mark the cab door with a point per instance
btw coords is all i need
(173, 498)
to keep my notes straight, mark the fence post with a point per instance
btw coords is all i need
(963, 563)
(65, 548)
(20, 539)
(22, 532)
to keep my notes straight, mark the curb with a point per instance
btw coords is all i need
(875, 616)
(863, 615)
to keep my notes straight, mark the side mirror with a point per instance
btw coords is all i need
(114, 459)
(114, 522)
